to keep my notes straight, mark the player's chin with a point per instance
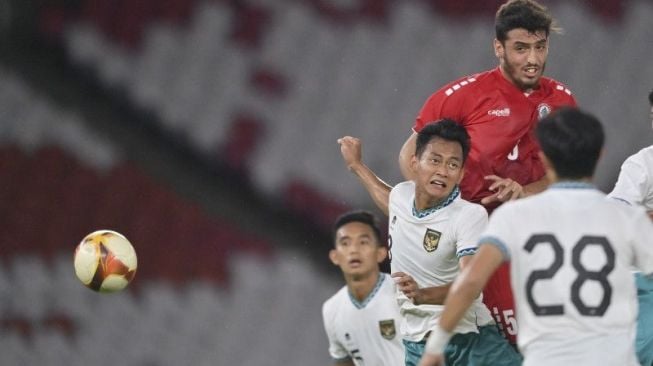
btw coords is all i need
(529, 82)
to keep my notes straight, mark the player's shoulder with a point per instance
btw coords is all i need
(469, 208)
(464, 87)
(644, 156)
(332, 304)
(557, 90)
(403, 188)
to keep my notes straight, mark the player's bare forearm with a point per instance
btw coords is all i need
(351, 149)
(378, 190)
(469, 284)
(432, 295)
(406, 155)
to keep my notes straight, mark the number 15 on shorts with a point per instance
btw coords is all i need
(508, 319)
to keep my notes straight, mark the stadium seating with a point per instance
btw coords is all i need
(264, 87)
(198, 291)
(301, 74)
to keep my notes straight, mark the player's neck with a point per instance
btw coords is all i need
(360, 288)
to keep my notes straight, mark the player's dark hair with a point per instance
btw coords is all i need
(650, 98)
(364, 217)
(572, 141)
(446, 129)
(526, 14)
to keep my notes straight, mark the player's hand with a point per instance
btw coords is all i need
(505, 189)
(430, 359)
(406, 284)
(351, 150)
(650, 214)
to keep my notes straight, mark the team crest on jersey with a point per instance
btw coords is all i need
(431, 240)
(543, 110)
(387, 328)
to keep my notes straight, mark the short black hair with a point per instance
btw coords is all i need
(526, 14)
(650, 98)
(362, 216)
(572, 140)
(446, 129)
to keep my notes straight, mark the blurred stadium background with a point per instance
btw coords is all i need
(205, 131)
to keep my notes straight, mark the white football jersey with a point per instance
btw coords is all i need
(428, 249)
(571, 252)
(635, 183)
(366, 332)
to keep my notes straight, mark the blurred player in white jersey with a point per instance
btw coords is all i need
(635, 187)
(571, 251)
(432, 233)
(362, 319)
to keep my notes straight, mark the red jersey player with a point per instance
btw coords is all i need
(500, 109)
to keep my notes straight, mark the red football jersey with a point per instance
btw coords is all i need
(500, 120)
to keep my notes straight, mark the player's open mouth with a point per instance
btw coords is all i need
(354, 262)
(531, 71)
(439, 183)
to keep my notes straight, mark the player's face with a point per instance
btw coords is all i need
(438, 170)
(357, 251)
(522, 57)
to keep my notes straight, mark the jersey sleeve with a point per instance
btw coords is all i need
(499, 231)
(469, 227)
(631, 186)
(643, 242)
(563, 97)
(336, 350)
(441, 104)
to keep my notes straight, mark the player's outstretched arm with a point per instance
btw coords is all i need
(465, 289)
(405, 155)
(351, 150)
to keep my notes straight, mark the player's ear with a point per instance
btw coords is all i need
(498, 48)
(381, 253)
(413, 162)
(333, 255)
(462, 174)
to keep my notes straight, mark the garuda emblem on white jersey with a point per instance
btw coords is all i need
(387, 328)
(431, 240)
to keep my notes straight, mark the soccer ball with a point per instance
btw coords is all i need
(105, 261)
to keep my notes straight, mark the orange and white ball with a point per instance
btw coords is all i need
(105, 261)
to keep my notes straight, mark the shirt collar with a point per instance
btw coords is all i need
(447, 201)
(362, 304)
(572, 185)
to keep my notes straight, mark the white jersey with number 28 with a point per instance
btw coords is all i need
(571, 252)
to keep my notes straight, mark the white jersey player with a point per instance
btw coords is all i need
(635, 187)
(635, 183)
(429, 248)
(570, 251)
(432, 234)
(365, 332)
(361, 320)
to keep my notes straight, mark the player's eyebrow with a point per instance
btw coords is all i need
(432, 154)
(521, 43)
(361, 236)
